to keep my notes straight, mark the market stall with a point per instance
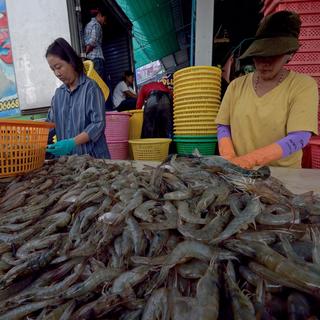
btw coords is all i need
(82, 238)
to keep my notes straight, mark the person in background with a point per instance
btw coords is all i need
(93, 41)
(150, 89)
(157, 114)
(124, 96)
(268, 116)
(77, 107)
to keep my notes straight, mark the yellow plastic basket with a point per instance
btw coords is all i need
(196, 99)
(135, 124)
(197, 74)
(194, 115)
(196, 90)
(156, 149)
(208, 125)
(197, 103)
(22, 146)
(190, 70)
(198, 83)
(197, 77)
(91, 73)
(195, 121)
(188, 94)
(200, 106)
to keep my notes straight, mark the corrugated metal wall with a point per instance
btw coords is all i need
(117, 57)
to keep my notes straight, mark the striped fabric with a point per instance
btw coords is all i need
(93, 37)
(81, 110)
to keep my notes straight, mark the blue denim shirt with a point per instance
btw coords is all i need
(81, 110)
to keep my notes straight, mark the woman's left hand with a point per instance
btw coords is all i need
(62, 147)
(245, 161)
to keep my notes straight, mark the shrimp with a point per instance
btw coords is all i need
(48, 292)
(183, 252)
(185, 214)
(315, 233)
(267, 217)
(193, 269)
(90, 284)
(235, 203)
(267, 236)
(136, 234)
(96, 308)
(298, 307)
(62, 312)
(32, 265)
(241, 305)
(207, 297)
(158, 242)
(218, 164)
(252, 209)
(290, 253)
(255, 187)
(273, 277)
(61, 220)
(249, 276)
(304, 277)
(206, 199)
(178, 195)
(24, 310)
(170, 212)
(209, 231)
(143, 211)
(157, 307)
(129, 279)
(173, 181)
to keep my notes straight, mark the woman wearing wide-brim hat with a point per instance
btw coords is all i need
(268, 116)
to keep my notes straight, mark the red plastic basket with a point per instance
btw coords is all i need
(311, 45)
(309, 32)
(315, 152)
(300, 6)
(306, 58)
(310, 19)
(310, 69)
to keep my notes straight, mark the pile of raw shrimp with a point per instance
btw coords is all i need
(194, 238)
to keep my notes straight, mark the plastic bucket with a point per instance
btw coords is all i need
(118, 149)
(117, 126)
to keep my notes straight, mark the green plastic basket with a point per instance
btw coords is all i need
(186, 145)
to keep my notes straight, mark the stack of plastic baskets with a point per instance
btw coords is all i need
(117, 133)
(197, 94)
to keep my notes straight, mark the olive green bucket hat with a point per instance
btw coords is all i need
(277, 34)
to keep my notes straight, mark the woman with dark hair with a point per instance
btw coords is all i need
(124, 97)
(77, 107)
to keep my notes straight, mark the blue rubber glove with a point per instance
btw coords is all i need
(62, 147)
